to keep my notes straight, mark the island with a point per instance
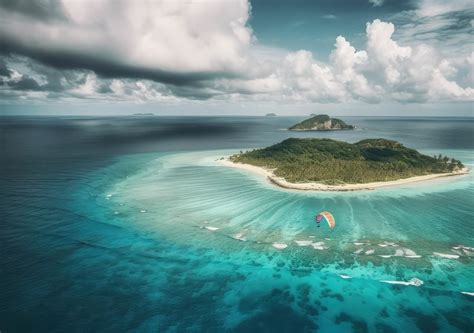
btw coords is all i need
(330, 165)
(270, 115)
(321, 122)
(143, 114)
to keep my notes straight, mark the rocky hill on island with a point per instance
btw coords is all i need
(321, 122)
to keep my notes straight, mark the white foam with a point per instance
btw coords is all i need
(447, 256)
(116, 213)
(467, 293)
(240, 236)
(385, 244)
(385, 255)
(358, 251)
(280, 246)
(212, 228)
(108, 195)
(399, 253)
(143, 211)
(465, 249)
(407, 253)
(345, 276)
(412, 282)
(410, 253)
(318, 246)
(327, 239)
(303, 242)
(369, 252)
(358, 244)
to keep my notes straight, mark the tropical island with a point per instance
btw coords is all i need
(325, 164)
(270, 115)
(321, 122)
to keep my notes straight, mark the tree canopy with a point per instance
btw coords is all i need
(335, 162)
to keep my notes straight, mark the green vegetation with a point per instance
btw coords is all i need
(321, 122)
(335, 162)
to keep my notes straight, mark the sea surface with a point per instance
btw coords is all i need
(120, 224)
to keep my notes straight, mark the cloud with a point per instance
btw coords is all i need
(385, 71)
(144, 51)
(43, 10)
(431, 8)
(170, 42)
(25, 83)
(376, 3)
(446, 25)
(4, 71)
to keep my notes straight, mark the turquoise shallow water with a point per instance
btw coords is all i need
(157, 235)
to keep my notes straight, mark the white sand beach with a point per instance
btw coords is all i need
(281, 182)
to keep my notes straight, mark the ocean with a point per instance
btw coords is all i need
(113, 224)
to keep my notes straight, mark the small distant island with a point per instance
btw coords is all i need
(321, 122)
(325, 164)
(143, 114)
(270, 115)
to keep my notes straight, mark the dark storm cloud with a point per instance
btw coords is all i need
(57, 80)
(43, 10)
(53, 80)
(104, 88)
(105, 61)
(107, 68)
(4, 71)
(25, 83)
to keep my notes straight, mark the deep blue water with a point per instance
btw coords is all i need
(107, 224)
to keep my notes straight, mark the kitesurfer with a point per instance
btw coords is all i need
(328, 217)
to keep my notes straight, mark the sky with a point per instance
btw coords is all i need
(354, 57)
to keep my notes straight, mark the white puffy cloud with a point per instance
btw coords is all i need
(386, 71)
(348, 64)
(305, 79)
(384, 51)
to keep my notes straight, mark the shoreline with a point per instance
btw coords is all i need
(281, 182)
